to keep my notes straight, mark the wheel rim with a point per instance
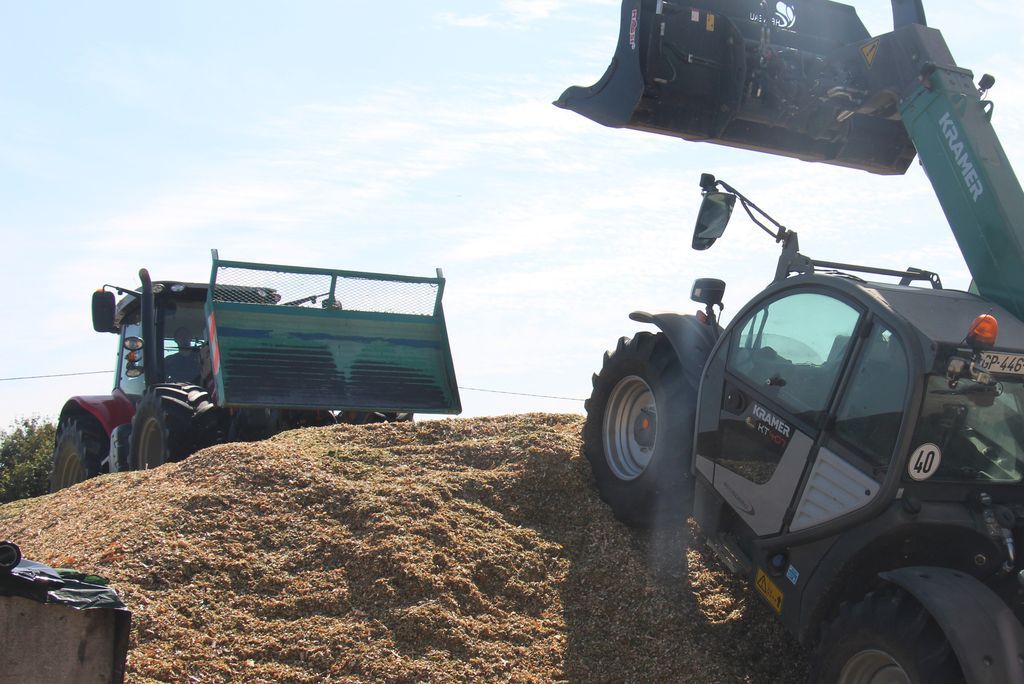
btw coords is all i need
(630, 427)
(151, 446)
(69, 466)
(873, 667)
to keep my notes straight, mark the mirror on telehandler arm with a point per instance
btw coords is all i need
(713, 217)
(103, 308)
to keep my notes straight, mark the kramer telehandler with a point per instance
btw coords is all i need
(259, 349)
(854, 448)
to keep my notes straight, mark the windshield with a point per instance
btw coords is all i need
(183, 327)
(974, 432)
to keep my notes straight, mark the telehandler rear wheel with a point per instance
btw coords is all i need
(171, 422)
(639, 431)
(77, 454)
(886, 638)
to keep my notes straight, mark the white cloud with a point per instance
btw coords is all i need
(510, 14)
(523, 11)
(464, 21)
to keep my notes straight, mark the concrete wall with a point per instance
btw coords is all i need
(53, 643)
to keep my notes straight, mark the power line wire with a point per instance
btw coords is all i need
(461, 387)
(55, 375)
(520, 394)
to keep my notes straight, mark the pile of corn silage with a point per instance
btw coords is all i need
(465, 550)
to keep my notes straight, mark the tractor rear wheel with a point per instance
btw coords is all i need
(77, 454)
(888, 637)
(170, 423)
(639, 431)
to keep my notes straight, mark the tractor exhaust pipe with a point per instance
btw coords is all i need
(152, 363)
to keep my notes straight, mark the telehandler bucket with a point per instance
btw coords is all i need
(294, 337)
(721, 71)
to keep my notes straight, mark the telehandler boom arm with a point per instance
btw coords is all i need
(803, 78)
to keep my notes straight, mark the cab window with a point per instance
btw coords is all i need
(792, 350)
(183, 332)
(137, 385)
(969, 432)
(871, 409)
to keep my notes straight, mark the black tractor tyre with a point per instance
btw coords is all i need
(638, 435)
(255, 424)
(368, 417)
(77, 453)
(888, 636)
(170, 423)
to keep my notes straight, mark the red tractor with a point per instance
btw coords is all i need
(259, 349)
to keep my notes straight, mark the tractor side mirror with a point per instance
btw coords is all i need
(713, 217)
(103, 308)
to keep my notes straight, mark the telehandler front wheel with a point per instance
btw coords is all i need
(77, 454)
(886, 638)
(639, 431)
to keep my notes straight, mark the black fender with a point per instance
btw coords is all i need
(985, 634)
(691, 339)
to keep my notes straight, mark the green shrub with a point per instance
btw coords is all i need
(25, 451)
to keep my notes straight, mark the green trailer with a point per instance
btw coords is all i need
(312, 338)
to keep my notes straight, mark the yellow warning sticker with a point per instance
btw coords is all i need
(711, 22)
(870, 51)
(768, 590)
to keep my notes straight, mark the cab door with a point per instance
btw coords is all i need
(764, 399)
(858, 447)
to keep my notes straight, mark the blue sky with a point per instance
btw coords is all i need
(422, 135)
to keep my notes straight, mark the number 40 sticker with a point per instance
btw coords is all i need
(924, 462)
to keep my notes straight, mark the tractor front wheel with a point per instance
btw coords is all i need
(170, 423)
(888, 637)
(639, 431)
(77, 454)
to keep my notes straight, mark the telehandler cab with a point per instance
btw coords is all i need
(854, 448)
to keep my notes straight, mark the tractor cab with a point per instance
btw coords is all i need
(179, 331)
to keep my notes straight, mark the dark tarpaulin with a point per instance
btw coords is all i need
(42, 583)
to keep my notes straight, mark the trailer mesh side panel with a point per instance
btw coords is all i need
(326, 290)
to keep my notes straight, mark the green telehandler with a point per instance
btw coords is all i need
(853, 441)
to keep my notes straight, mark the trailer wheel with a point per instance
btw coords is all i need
(171, 422)
(77, 454)
(639, 430)
(886, 637)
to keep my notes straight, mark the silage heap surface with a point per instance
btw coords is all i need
(455, 550)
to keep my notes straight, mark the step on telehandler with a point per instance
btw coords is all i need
(854, 448)
(259, 349)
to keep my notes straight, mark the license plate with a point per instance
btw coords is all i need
(771, 593)
(998, 362)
